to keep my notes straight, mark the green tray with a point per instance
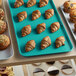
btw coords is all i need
(38, 37)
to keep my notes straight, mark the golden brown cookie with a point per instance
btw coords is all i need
(68, 6)
(1, 13)
(73, 16)
(2, 26)
(43, 3)
(26, 30)
(31, 3)
(45, 42)
(36, 14)
(41, 27)
(4, 42)
(60, 41)
(18, 3)
(6, 71)
(55, 26)
(49, 13)
(21, 16)
(30, 45)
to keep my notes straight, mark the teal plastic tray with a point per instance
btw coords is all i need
(38, 37)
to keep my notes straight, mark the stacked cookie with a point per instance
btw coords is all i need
(4, 39)
(70, 7)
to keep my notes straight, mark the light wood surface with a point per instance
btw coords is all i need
(17, 59)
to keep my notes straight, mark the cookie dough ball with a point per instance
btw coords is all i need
(2, 26)
(68, 6)
(4, 42)
(1, 14)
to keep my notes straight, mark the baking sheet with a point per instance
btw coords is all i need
(44, 66)
(70, 24)
(8, 52)
(38, 37)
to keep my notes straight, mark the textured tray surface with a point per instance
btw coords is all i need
(38, 37)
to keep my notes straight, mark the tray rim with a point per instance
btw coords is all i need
(3, 7)
(22, 54)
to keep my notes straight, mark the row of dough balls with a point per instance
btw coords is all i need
(35, 14)
(30, 3)
(40, 28)
(46, 42)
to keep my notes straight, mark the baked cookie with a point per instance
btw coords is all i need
(36, 14)
(18, 3)
(43, 3)
(41, 27)
(45, 42)
(53, 71)
(51, 62)
(21, 16)
(30, 45)
(55, 26)
(4, 42)
(1, 13)
(49, 13)
(38, 72)
(75, 28)
(67, 69)
(36, 64)
(73, 16)
(60, 41)
(2, 26)
(31, 3)
(68, 6)
(6, 71)
(26, 30)
(64, 61)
